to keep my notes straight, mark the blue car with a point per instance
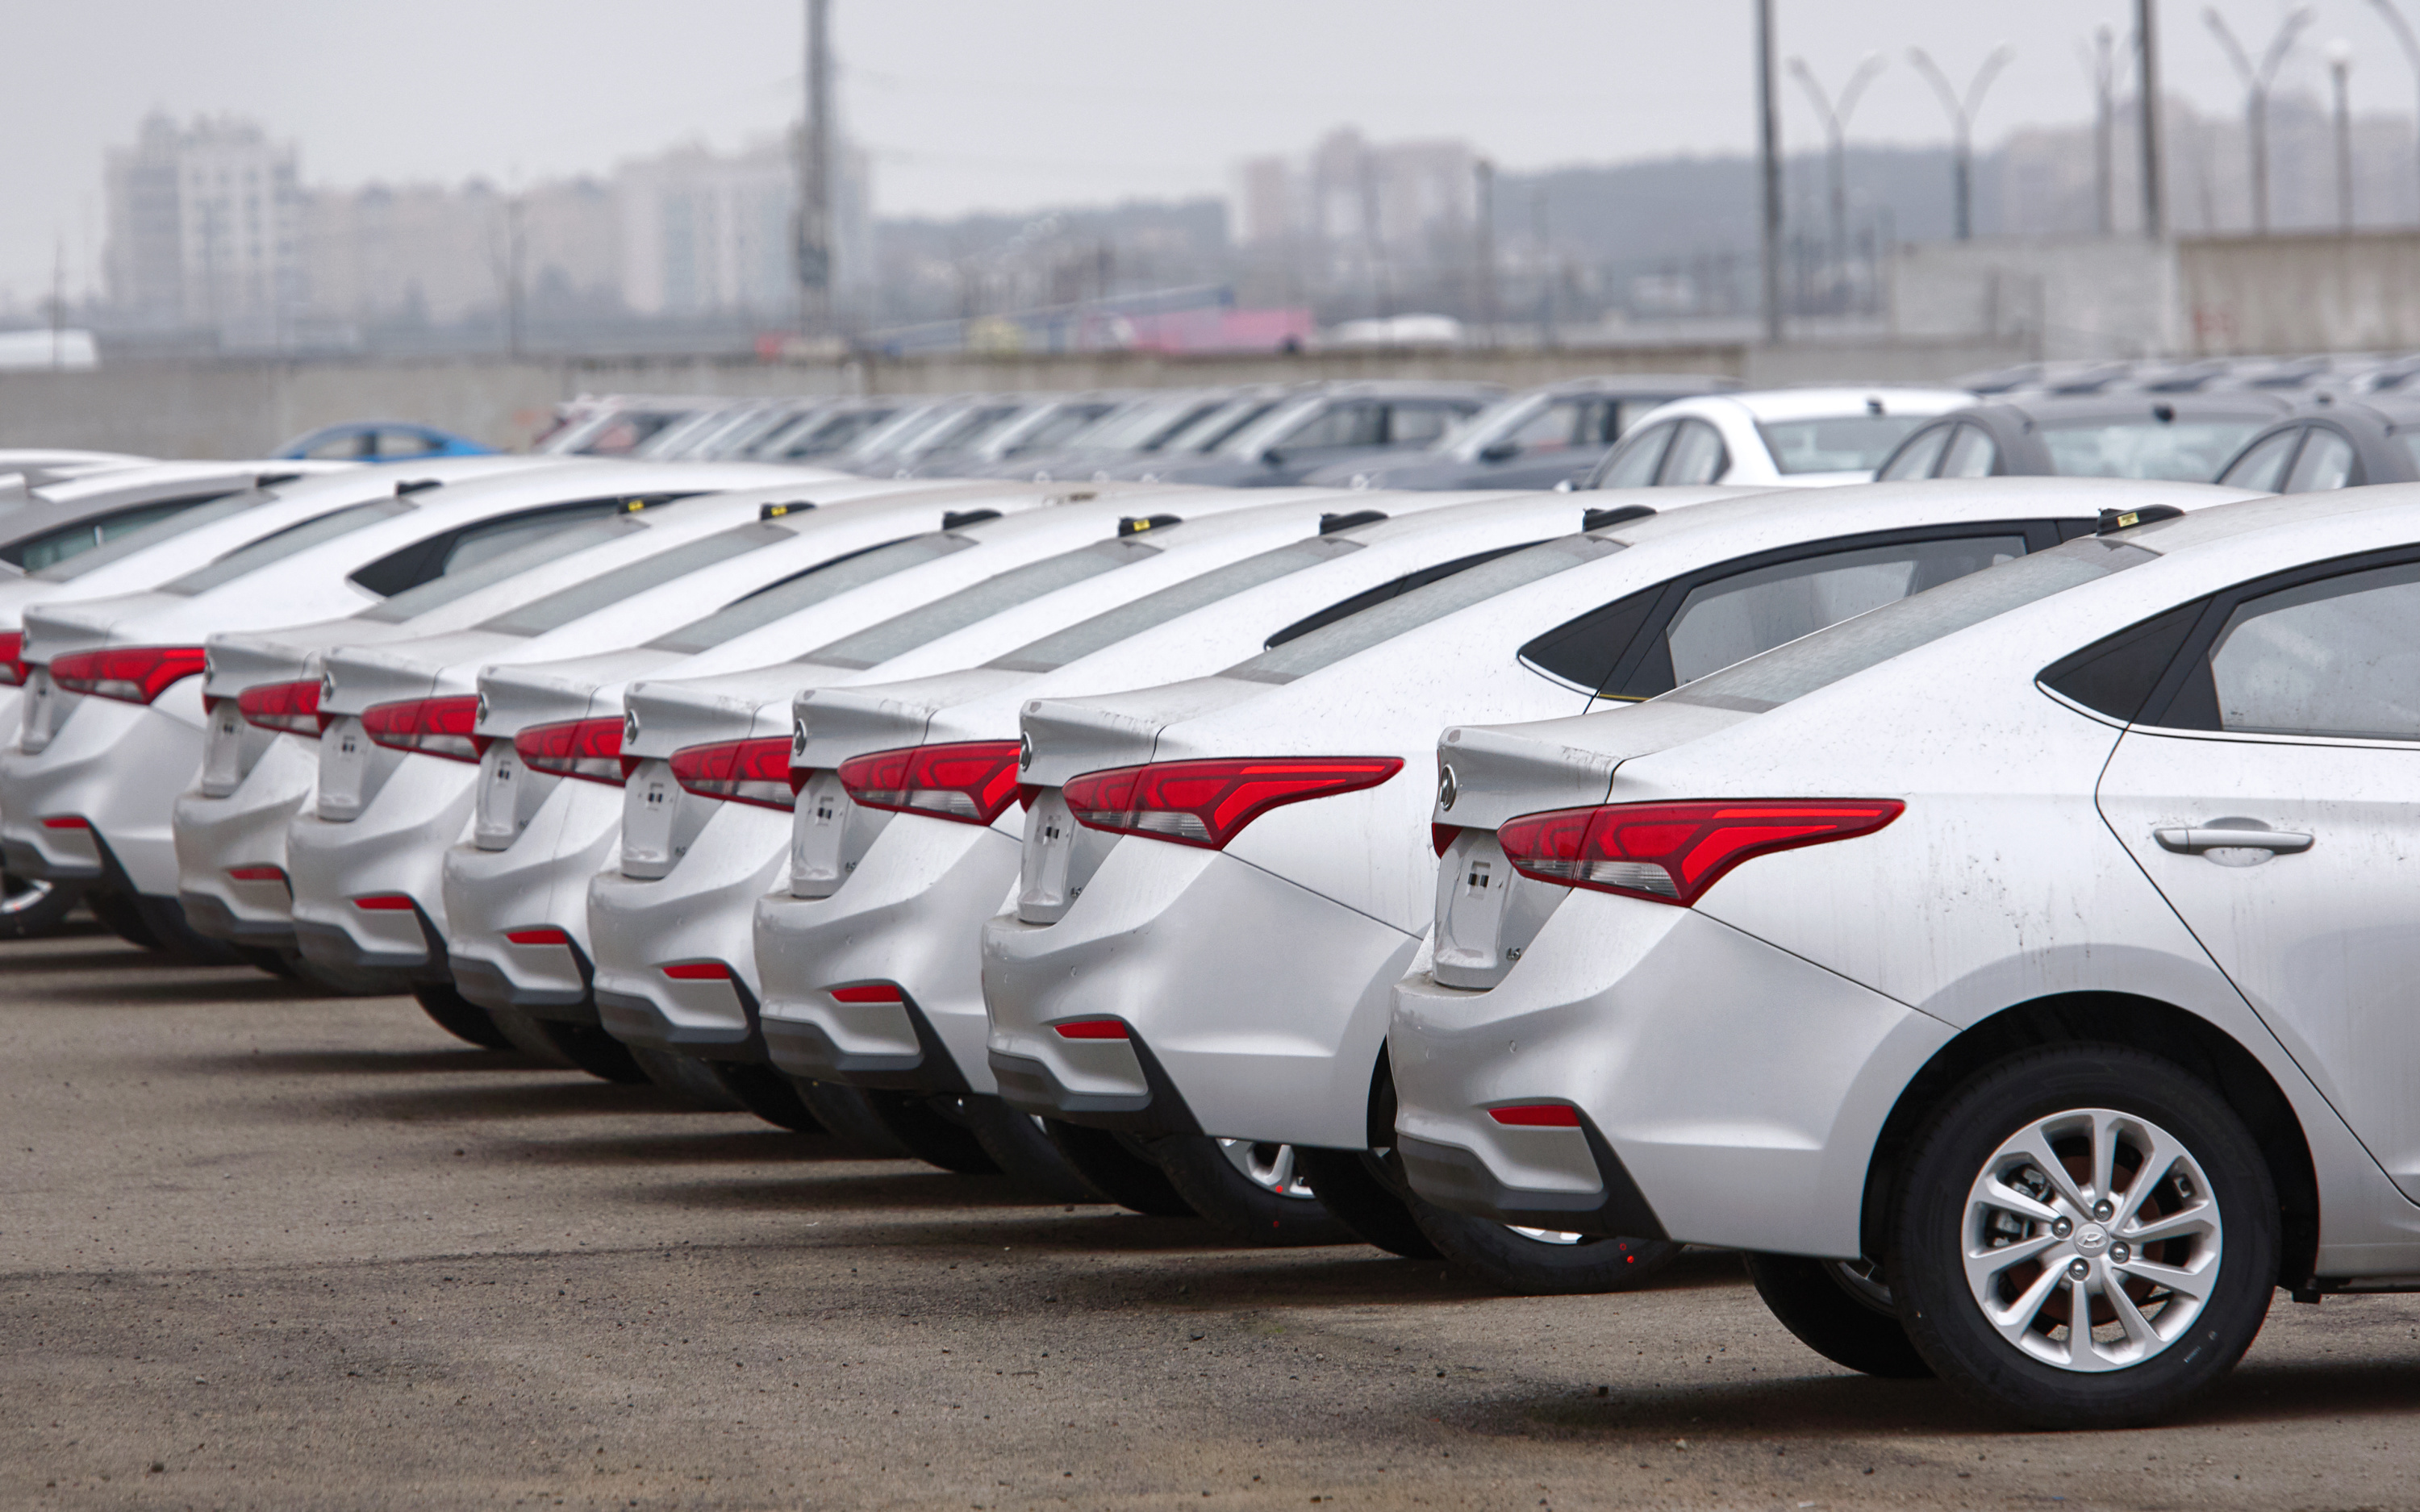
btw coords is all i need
(380, 440)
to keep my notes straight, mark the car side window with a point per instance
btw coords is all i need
(1633, 463)
(1972, 454)
(1551, 430)
(2326, 462)
(1419, 425)
(1600, 423)
(2332, 658)
(2263, 468)
(1343, 424)
(1917, 456)
(1696, 456)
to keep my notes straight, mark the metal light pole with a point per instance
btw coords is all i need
(1768, 136)
(2339, 71)
(2101, 66)
(2402, 30)
(815, 177)
(1836, 131)
(2147, 85)
(1961, 111)
(2257, 79)
(1482, 173)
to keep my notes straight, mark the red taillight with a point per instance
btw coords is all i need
(12, 668)
(66, 821)
(1092, 1029)
(1441, 835)
(973, 781)
(547, 936)
(1208, 803)
(384, 902)
(700, 971)
(1673, 852)
(257, 874)
(590, 748)
(873, 992)
(433, 727)
(133, 675)
(1537, 1116)
(293, 707)
(743, 771)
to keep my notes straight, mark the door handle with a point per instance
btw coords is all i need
(2202, 838)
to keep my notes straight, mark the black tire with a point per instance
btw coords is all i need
(1845, 1316)
(1016, 1144)
(575, 1046)
(1117, 1168)
(119, 915)
(1526, 1266)
(165, 918)
(1930, 1235)
(689, 1082)
(458, 1016)
(849, 1118)
(1361, 1201)
(343, 981)
(29, 907)
(1275, 1207)
(768, 1094)
(933, 1129)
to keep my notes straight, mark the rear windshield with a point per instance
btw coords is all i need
(1821, 659)
(1356, 633)
(2180, 451)
(805, 590)
(904, 633)
(119, 546)
(443, 589)
(607, 588)
(1054, 651)
(53, 546)
(285, 543)
(1837, 444)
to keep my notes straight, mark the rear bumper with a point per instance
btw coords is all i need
(539, 882)
(910, 915)
(397, 847)
(118, 768)
(246, 828)
(696, 917)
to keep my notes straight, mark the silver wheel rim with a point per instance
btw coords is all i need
(1863, 1280)
(2093, 1214)
(18, 894)
(1547, 1236)
(1270, 1167)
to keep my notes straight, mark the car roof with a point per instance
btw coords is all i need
(1812, 403)
(2129, 403)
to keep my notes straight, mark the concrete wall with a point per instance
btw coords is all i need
(2304, 292)
(237, 409)
(2063, 296)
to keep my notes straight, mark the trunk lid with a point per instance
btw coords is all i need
(1069, 736)
(1503, 771)
(831, 725)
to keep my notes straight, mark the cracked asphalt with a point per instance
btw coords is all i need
(262, 1249)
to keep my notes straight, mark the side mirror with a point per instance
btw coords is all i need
(1273, 457)
(1499, 452)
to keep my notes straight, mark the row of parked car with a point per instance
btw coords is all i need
(1925, 887)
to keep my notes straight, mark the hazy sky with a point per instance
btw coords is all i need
(988, 104)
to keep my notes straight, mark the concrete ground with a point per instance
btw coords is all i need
(259, 1249)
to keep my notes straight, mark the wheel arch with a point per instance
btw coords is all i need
(2186, 1039)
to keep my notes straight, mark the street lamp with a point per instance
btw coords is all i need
(2339, 67)
(2256, 81)
(2402, 30)
(1835, 128)
(1961, 111)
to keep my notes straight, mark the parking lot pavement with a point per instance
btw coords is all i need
(263, 1249)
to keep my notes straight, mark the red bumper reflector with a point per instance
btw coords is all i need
(1538, 1116)
(876, 992)
(549, 935)
(257, 874)
(66, 821)
(1092, 1029)
(699, 971)
(384, 902)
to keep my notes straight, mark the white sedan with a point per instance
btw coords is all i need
(2019, 968)
(1772, 438)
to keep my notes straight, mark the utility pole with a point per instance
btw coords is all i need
(2102, 64)
(1483, 241)
(2403, 36)
(2257, 79)
(1545, 274)
(2339, 67)
(1961, 111)
(1836, 141)
(2147, 87)
(814, 178)
(1768, 137)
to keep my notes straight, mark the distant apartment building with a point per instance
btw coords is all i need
(714, 235)
(1351, 206)
(428, 254)
(205, 224)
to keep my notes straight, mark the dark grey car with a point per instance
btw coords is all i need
(2183, 437)
(1326, 425)
(2333, 444)
(1538, 439)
